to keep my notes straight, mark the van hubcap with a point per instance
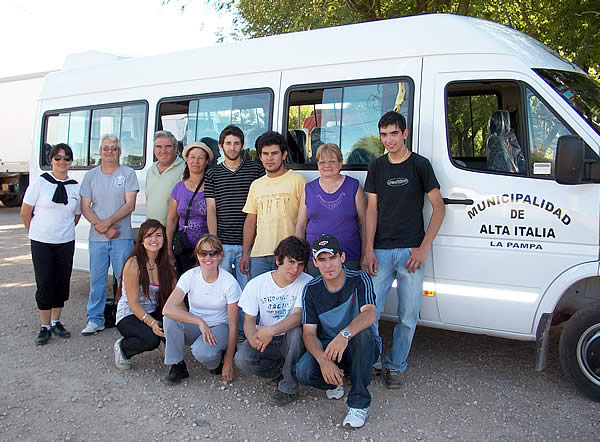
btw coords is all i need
(588, 353)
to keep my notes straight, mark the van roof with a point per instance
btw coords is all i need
(415, 36)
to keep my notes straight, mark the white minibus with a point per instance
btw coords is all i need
(518, 250)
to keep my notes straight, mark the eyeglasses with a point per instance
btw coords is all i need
(67, 158)
(210, 253)
(109, 148)
(327, 163)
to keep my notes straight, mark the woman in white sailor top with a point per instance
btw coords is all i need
(51, 208)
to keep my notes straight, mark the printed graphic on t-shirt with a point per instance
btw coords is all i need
(119, 181)
(397, 182)
(272, 204)
(331, 205)
(278, 306)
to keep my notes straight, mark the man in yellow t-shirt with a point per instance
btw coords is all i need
(271, 207)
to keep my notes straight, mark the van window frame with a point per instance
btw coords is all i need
(91, 108)
(346, 83)
(524, 121)
(232, 93)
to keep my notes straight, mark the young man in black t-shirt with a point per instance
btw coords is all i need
(396, 244)
(225, 189)
(338, 316)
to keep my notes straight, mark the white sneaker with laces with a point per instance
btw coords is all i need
(335, 393)
(356, 417)
(121, 362)
(91, 328)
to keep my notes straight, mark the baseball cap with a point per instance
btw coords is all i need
(326, 243)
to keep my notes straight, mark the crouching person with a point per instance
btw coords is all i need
(147, 281)
(210, 326)
(274, 345)
(338, 316)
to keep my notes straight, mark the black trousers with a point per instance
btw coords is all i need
(137, 336)
(185, 261)
(52, 264)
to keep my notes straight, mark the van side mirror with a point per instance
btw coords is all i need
(575, 163)
(569, 162)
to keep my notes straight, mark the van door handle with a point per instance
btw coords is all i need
(466, 201)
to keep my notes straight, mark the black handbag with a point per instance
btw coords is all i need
(180, 241)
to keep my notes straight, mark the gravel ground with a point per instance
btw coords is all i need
(457, 386)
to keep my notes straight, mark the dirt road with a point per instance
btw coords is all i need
(457, 386)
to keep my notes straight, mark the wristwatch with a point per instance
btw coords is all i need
(346, 334)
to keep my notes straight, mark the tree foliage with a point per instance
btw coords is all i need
(571, 27)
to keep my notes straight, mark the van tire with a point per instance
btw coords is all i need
(579, 349)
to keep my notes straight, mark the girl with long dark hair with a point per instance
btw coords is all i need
(146, 282)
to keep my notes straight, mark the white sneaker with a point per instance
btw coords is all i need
(335, 393)
(356, 417)
(121, 362)
(91, 328)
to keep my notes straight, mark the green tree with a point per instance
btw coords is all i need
(571, 27)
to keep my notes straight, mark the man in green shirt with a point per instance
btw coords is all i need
(162, 176)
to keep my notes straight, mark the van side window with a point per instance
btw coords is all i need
(202, 118)
(544, 130)
(344, 114)
(82, 130)
(484, 126)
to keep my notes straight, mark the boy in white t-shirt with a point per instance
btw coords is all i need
(274, 345)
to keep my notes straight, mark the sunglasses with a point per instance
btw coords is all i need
(210, 253)
(110, 148)
(67, 158)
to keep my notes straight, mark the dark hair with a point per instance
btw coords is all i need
(232, 129)
(58, 147)
(392, 118)
(270, 139)
(294, 248)
(166, 273)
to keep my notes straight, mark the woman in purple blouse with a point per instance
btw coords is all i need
(197, 156)
(333, 204)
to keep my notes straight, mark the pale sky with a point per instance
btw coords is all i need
(36, 35)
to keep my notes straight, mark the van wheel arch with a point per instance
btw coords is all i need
(579, 350)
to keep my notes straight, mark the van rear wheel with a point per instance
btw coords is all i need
(579, 349)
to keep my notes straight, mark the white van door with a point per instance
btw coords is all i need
(510, 229)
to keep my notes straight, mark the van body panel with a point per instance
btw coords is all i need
(495, 257)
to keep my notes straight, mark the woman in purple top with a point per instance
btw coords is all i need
(333, 204)
(197, 156)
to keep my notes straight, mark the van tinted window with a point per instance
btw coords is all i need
(202, 118)
(485, 126)
(343, 114)
(82, 129)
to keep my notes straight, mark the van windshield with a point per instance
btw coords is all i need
(580, 91)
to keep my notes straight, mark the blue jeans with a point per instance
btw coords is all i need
(362, 351)
(180, 334)
(103, 253)
(262, 264)
(279, 358)
(410, 296)
(232, 256)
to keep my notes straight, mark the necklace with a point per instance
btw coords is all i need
(151, 266)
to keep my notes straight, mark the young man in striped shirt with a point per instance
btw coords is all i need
(225, 189)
